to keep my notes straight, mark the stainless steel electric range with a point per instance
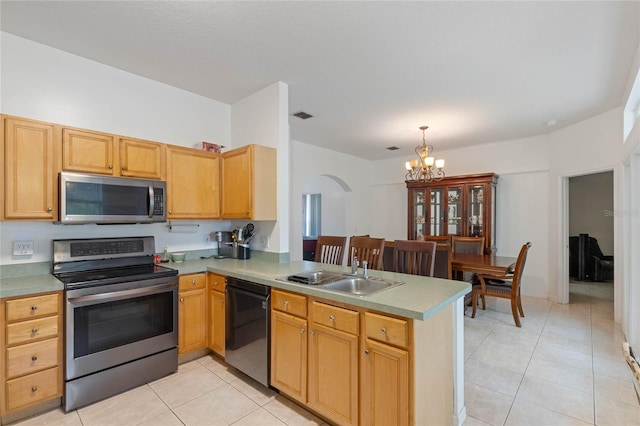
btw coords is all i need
(121, 316)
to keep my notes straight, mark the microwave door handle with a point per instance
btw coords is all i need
(152, 201)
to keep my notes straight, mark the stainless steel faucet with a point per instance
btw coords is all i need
(354, 266)
(365, 272)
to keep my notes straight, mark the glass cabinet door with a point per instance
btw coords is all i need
(419, 214)
(454, 211)
(436, 211)
(475, 208)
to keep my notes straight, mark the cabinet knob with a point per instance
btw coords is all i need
(49, 210)
(332, 318)
(34, 358)
(170, 212)
(34, 307)
(383, 330)
(312, 332)
(302, 331)
(182, 299)
(34, 330)
(221, 301)
(366, 351)
(34, 389)
(286, 305)
(124, 168)
(193, 282)
(110, 166)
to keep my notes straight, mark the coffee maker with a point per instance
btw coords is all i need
(224, 249)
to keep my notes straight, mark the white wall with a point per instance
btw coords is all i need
(332, 217)
(356, 174)
(262, 118)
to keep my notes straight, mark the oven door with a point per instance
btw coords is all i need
(117, 323)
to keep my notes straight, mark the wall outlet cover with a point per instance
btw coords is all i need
(22, 248)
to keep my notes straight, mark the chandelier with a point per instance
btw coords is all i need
(425, 168)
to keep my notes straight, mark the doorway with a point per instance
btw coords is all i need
(590, 233)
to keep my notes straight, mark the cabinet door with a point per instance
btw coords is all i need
(192, 184)
(141, 159)
(474, 213)
(84, 151)
(455, 213)
(192, 313)
(385, 385)
(216, 322)
(333, 374)
(237, 184)
(289, 355)
(30, 181)
(437, 217)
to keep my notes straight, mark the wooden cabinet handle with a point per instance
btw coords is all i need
(34, 389)
(34, 358)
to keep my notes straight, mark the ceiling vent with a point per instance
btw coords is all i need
(393, 148)
(303, 115)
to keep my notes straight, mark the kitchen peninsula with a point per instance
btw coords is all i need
(416, 359)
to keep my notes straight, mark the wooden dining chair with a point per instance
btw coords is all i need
(330, 249)
(504, 286)
(467, 245)
(414, 257)
(366, 249)
(442, 261)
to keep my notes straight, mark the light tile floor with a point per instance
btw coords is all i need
(564, 366)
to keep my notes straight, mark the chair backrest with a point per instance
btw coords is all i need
(330, 249)
(442, 266)
(517, 273)
(467, 245)
(414, 257)
(366, 248)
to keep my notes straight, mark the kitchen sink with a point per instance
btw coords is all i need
(360, 286)
(337, 281)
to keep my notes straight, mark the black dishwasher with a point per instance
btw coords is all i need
(247, 328)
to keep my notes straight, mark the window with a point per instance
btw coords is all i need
(311, 215)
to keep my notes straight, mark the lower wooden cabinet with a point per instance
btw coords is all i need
(384, 385)
(216, 313)
(192, 313)
(31, 332)
(347, 364)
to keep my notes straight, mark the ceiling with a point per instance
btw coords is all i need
(371, 73)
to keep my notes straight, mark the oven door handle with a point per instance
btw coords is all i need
(119, 295)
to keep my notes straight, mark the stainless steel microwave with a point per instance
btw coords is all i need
(100, 199)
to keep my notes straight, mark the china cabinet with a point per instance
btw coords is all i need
(458, 205)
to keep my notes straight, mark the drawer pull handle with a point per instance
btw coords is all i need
(34, 331)
(34, 307)
(34, 358)
(34, 389)
(332, 318)
(383, 330)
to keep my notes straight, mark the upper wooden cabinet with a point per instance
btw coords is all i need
(91, 152)
(107, 154)
(193, 185)
(31, 159)
(249, 183)
(457, 205)
(140, 158)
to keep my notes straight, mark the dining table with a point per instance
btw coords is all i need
(482, 263)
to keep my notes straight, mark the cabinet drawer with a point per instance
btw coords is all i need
(217, 282)
(32, 307)
(32, 389)
(191, 282)
(386, 329)
(31, 357)
(334, 317)
(294, 304)
(28, 331)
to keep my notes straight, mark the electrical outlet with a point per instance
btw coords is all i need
(264, 241)
(22, 248)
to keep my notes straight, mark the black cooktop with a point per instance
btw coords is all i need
(95, 277)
